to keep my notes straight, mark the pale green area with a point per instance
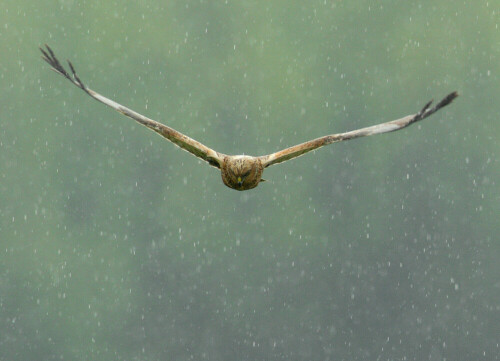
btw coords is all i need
(116, 245)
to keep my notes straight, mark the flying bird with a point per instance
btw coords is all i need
(241, 172)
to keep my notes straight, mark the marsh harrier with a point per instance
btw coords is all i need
(241, 172)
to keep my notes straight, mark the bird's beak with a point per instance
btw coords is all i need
(239, 181)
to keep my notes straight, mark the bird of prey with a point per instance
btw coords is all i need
(241, 172)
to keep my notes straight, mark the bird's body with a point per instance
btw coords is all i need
(242, 172)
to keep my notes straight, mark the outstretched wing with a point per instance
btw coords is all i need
(192, 146)
(298, 150)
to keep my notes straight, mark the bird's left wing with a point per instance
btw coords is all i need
(192, 146)
(299, 149)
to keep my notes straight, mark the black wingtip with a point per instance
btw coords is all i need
(427, 110)
(71, 67)
(49, 50)
(447, 99)
(427, 106)
(45, 55)
(49, 56)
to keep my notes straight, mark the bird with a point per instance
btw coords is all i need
(241, 172)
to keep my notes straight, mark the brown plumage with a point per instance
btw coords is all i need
(241, 172)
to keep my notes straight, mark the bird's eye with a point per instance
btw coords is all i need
(246, 174)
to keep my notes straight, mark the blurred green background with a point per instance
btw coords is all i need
(116, 245)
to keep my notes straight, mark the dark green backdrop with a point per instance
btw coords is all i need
(116, 245)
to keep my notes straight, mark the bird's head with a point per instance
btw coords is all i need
(241, 172)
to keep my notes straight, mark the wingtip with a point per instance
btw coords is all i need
(453, 95)
(447, 99)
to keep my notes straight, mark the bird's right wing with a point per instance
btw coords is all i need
(192, 146)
